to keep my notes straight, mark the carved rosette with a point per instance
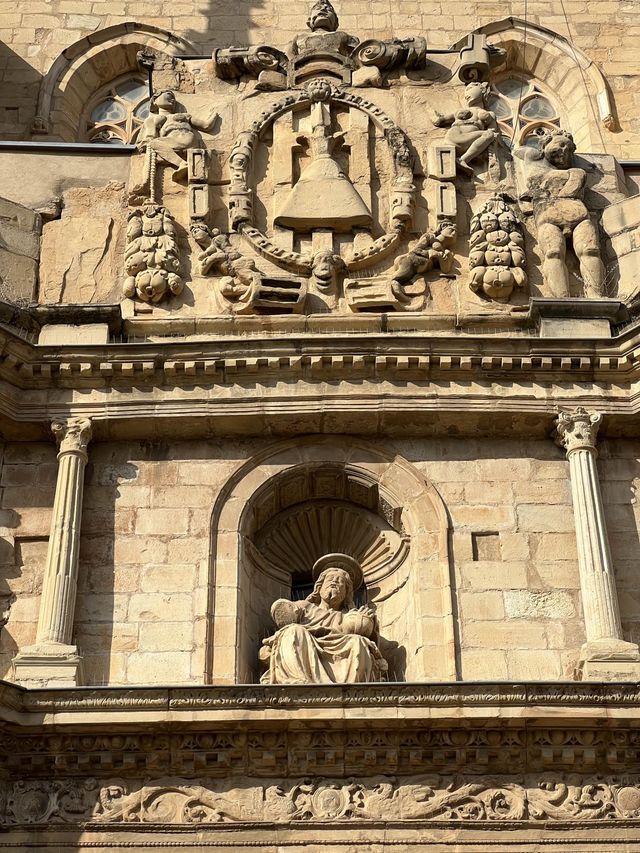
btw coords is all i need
(72, 435)
(578, 430)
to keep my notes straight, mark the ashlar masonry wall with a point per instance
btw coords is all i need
(145, 551)
(34, 35)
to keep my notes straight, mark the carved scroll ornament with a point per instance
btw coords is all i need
(176, 801)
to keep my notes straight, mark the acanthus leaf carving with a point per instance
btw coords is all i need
(578, 430)
(73, 435)
(454, 800)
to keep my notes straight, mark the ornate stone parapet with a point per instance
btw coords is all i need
(53, 658)
(605, 655)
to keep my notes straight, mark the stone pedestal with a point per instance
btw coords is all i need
(605, 656)
(53, 659)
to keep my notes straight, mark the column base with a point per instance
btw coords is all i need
(52, 665)
(609, 660)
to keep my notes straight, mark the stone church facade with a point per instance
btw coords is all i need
(319, 426)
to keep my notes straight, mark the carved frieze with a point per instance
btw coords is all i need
(434, 798)
(255, 751)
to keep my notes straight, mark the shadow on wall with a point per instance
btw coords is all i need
(241, 23)
(19, 86)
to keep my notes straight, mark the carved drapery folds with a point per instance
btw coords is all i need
(605, 654)
(325, 638)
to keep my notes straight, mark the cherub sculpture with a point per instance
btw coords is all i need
(555, 187)
(496, 257)
(432, 250)
(171, 133)
(324, 639)
(151, 256)
(471, 129)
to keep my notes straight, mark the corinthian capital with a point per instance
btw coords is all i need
(73, 434)
(578, 430)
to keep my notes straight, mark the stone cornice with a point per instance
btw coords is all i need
(265, 377)
(445, 699)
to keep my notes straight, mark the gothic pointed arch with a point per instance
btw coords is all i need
(300, 499)
(88, 64)
(554, 61)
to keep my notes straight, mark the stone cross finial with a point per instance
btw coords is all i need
(578, 430)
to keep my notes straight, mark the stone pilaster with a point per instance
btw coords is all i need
(605, 655)
(53, 659)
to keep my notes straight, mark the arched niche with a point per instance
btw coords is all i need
(565, 69)
(298, 500)
(90, 63)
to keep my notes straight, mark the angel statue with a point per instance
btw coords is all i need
(325, 638)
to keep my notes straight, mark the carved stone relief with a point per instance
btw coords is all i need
(473, 129)
(554, 187)
(497, 257)
(151, 256)
(459, 800)
(327, 196)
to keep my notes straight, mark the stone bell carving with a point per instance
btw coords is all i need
(323, 197)
(324, 639)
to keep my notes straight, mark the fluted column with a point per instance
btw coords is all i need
(605, 655)
(53, 658)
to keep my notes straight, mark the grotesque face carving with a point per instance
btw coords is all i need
(325, 269)
(333, 587)
(323, 17)
(559, 150)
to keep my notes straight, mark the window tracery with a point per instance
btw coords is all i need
(524, 111)
(116, 113)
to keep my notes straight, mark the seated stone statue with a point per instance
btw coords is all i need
(324, 639)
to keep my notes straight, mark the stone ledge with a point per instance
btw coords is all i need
(590, 697)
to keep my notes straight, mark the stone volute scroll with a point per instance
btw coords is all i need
(324, 638)
(605, 655)
(554, 187)
(54, 658)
